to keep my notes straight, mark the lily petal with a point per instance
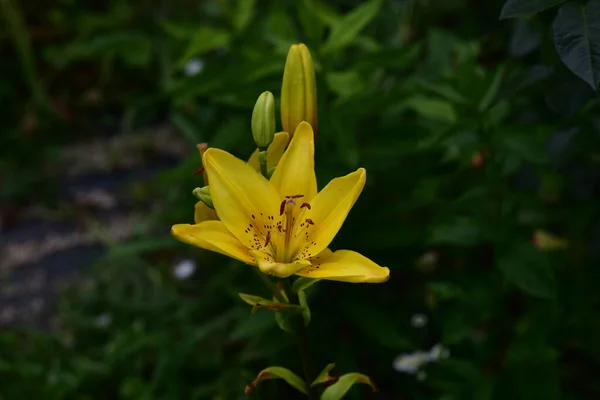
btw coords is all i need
(295, 173)
(268, 266)
(202, 213)
(319, 223)
(274, 151)
(245, 201)
(213, 236)
(346, 266)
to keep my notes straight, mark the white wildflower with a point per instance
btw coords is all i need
(184, 269)
(419, 320)
(193, 67)
(411, 363)
(103, 320)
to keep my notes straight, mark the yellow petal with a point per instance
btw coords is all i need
(317, 226)
(202, 213)
(346, 266)
(274, 151)
(245, 201)
(268, 266)
(295, 173)
(213, 236)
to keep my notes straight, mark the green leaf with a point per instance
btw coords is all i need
(576, 32)
(243, 14)
(303, 283)
(204, 40)
(339, 389)
(347, 29)
(324, 376)
(459, 231)
(345, 84)
(278, 373)
(305, 310)
(529, 269)
(260, 302)
(253, 300)
(492, 91)
(518, 8)
(432, 108)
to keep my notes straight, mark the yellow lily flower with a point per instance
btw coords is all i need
(202, 212)
(282, 226)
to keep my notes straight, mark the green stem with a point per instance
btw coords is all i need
(302, 337)
(17, 30)
(262, 160)
(270, 285)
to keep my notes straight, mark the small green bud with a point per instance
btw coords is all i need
(263, 120)
(203, 194)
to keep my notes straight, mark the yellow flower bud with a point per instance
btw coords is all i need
(263, 120)
(299, 90)
(548, 242)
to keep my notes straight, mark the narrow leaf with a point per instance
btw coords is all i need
(518, 8)
(278, 373)
(490, 95)
(252, 299)
(305, 310)
(576, 32)
(324, 376)
(339, 389)
(280, 307)
(348, 28)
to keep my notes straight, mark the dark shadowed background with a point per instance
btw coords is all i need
(478, 142)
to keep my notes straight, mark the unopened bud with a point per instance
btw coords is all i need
(203, 194)
(546, 241)
(299, 90)
(202, 147)
(263, 120)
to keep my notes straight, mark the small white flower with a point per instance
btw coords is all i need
(193, 67)
(419, 320)
(439, 352)
(411, 363)
(184, 269)
(103, 320)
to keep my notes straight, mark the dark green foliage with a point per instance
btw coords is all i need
(473, 135)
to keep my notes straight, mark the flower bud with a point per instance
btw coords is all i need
(203, 194)
(299, 90)
(263, 120)
(547, 242)
(202, 147)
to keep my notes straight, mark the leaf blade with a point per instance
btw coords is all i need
(576, 34)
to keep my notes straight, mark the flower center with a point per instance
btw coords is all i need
(281, 236)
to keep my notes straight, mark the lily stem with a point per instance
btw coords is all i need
(302, 337)
(262, 160)
(270, 285)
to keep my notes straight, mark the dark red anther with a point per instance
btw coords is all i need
(296, 196)
(282, 208)
(268, 240)
(310, 221)
(305, 205)
(199, 171)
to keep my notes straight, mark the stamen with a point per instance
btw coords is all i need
(305, 205)
(310, 221)
(282, 207)
(199, 171)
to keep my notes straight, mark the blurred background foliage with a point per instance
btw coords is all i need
(474, 135)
